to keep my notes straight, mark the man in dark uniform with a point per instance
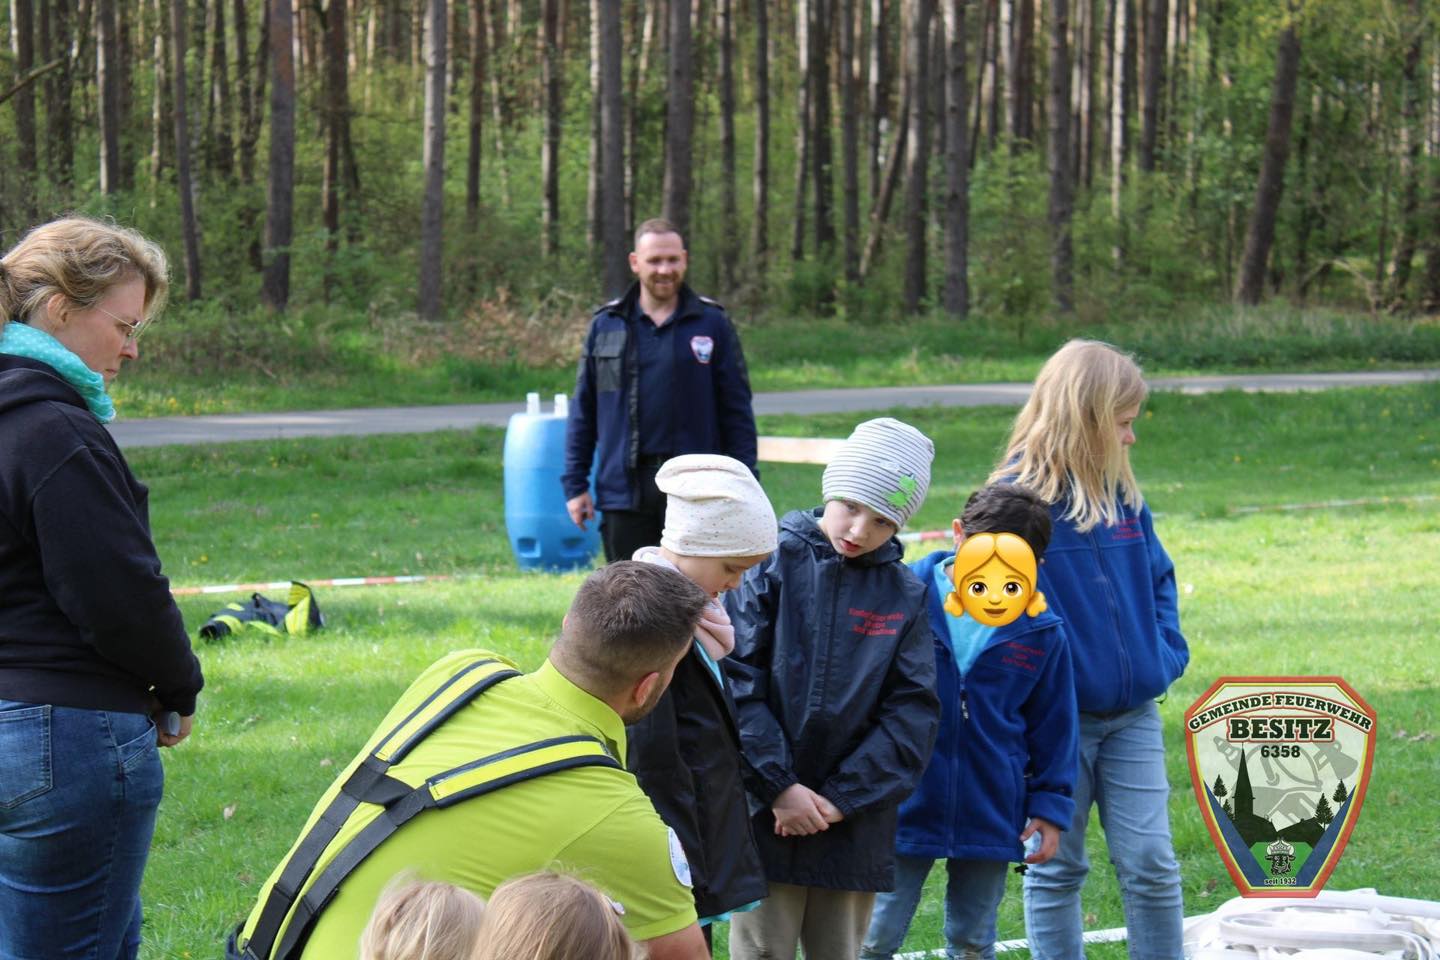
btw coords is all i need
(661, 374)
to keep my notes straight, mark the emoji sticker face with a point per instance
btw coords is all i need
(994, 580)
(995, 594)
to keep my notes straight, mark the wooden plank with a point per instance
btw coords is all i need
(818, 450)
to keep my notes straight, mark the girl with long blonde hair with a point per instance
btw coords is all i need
(553, 916)
(1108, 577)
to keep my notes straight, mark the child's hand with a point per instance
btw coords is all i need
(828, 810)
(1049, 839)
(797, 814)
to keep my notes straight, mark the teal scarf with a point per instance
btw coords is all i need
(22, 340)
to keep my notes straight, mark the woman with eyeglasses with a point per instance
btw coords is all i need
(96, 669)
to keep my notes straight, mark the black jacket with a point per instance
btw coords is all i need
(686, 755)
(834, 678)
(711, 389)
(86, 618)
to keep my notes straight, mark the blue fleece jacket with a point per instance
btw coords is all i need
(1114, 587)
(1008, 739)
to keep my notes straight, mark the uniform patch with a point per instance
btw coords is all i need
(678, 861)
(703, 348)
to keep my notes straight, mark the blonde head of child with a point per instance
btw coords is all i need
(874, 484)
(1071, 441)
(718, 520)
(423, 920)
(552, 916)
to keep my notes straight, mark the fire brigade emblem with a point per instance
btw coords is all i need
(1280, 766)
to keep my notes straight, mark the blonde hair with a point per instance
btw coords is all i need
(423, 920)
(1064, 446)
(81, 259)
(553, 916)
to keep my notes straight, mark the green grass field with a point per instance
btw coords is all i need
(1265, 589)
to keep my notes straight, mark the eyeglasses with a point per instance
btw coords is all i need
(136, 328)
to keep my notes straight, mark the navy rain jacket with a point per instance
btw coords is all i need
(833, 676)
(1008, 740)
(712, 393)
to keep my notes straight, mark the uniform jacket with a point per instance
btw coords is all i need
(88, 620)
(1006, 751)
(834, 678)
(712, 389)
(686, 755)
(1114, 587)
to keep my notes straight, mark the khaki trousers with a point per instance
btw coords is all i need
(828, 924)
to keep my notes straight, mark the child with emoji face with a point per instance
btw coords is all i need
(999, 782)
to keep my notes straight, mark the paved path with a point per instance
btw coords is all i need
(224, 428)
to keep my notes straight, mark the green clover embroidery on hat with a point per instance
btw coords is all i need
(902, 496)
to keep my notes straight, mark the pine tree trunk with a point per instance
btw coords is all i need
(679, 119)
(59, 137)
(189, 226)
(432, 210)
(1121, 97)
(917, 156)
(957, 165)
(613, 246)
(249, 108)
(592, 185)
(280, 189)
(1271, 183)
(1062, 202)
(1411, 142)
(804, 122)
(107, 83)
(1155, 28)
(1431, 301)
(1008, 33)
(879, 94)
(1025, 72)
(477, 114)
(550, 145)
(223, 144)
(337, 125)
(889, 183)
(760, 239)
(162, 125)
(729, 248)
(849, 142)
(823, 155)
(22, 45)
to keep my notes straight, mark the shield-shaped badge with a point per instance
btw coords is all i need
(703, 348)
(1280, 766)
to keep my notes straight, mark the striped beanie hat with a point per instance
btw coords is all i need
(884, 465)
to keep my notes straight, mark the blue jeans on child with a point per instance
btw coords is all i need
(78, 795)
(973, 891)
(1122, 770)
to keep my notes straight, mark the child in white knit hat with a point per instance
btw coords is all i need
(686, 752)
(834, 677)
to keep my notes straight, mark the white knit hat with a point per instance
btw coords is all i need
(715, 508)
(884, 465)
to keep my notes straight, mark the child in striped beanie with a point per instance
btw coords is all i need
(834, 679)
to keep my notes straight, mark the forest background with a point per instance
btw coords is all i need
(348, 187)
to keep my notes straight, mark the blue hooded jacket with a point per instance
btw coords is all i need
(1114, 586)
(711, 390)
(1008, 739)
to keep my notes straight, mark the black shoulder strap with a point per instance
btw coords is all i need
(445, 789)
(369, 783)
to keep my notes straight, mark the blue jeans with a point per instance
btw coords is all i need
(973, 891)
(78, 795)
(1122, 770)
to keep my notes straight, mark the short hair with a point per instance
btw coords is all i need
(419, 920)
(552, 916)
(628, 619)
(657, 225)
(1063, 444)
(81, 258)
(1008, 508)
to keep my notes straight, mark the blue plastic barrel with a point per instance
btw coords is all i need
(541, 534)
